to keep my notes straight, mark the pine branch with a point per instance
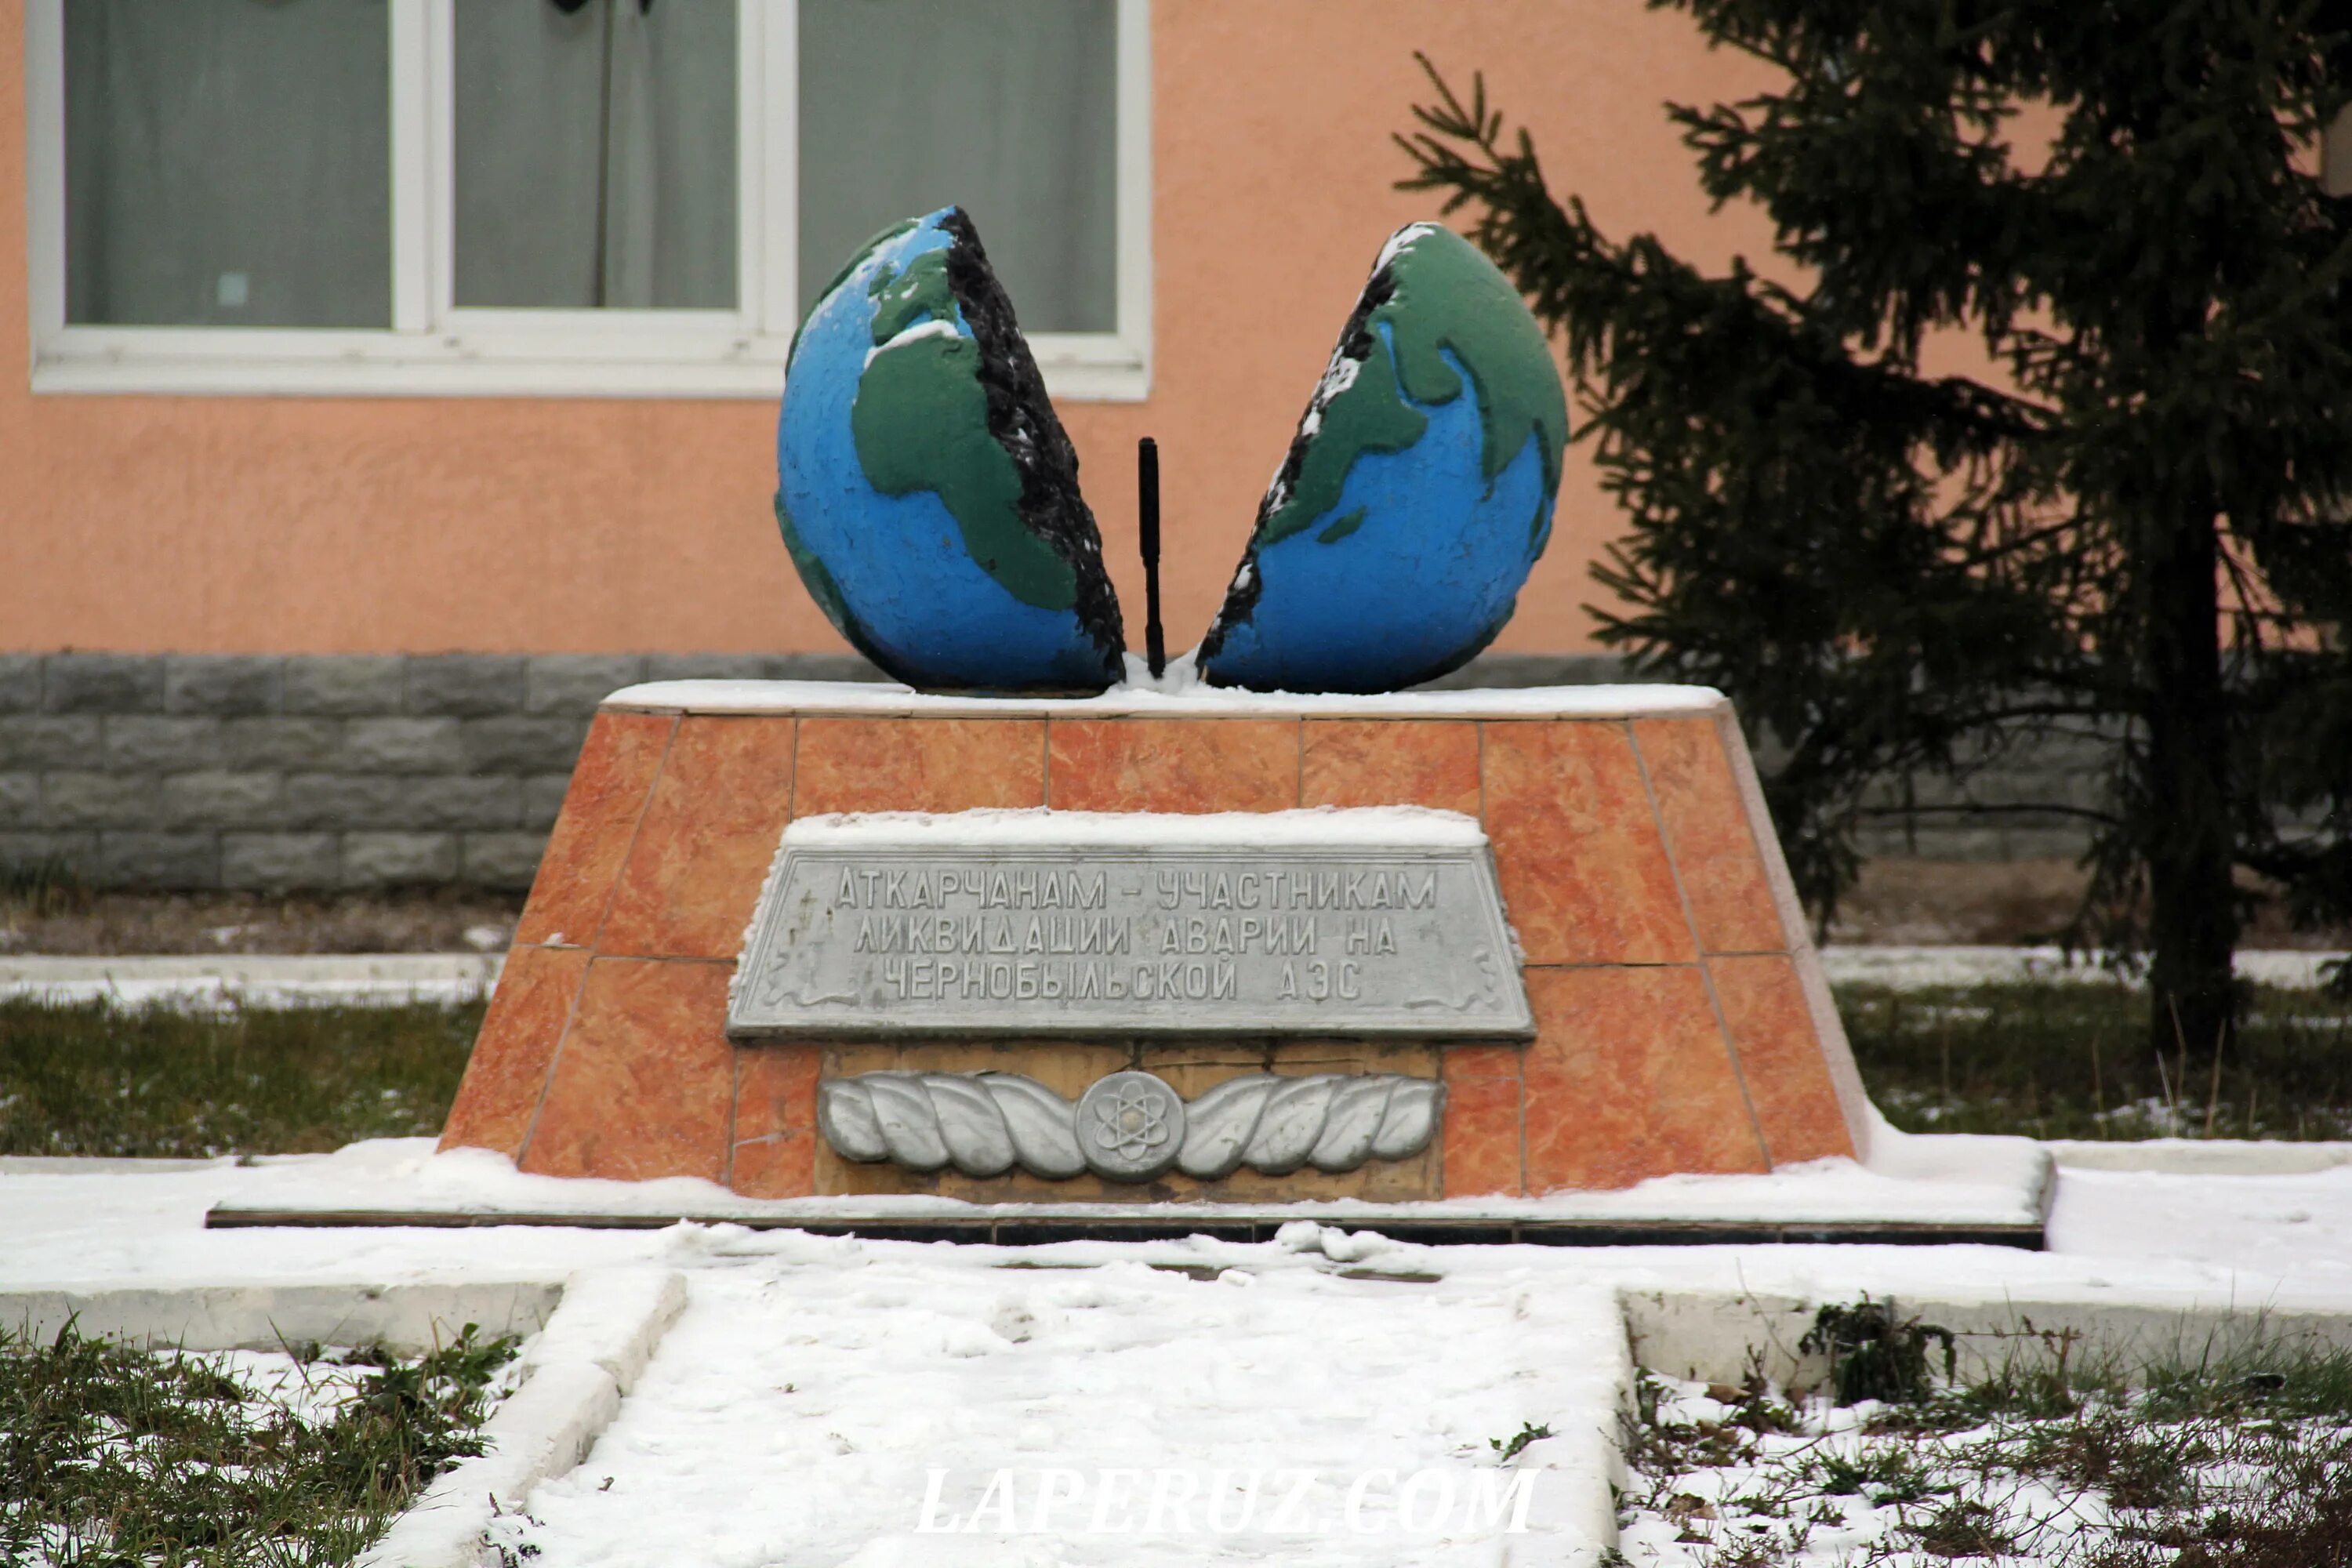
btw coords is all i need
(1896, 574)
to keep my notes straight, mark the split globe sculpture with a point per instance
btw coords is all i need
(930, 498)
(1417, 494)
(1049, 945)
(927, 493)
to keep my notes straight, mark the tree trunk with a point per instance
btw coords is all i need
(2193, 915)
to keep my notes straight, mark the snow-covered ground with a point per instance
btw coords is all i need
(1802, 1482)
(824, 1402)
(1916, 968)
(797, 1411)
(94, 1225)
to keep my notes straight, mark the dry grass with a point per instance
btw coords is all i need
(115, 1454)
(96, 1079)
(2212, 1456)
(2006, 903)
(2061, 1060)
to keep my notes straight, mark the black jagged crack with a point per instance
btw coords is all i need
(1355, 342)
(1021, 419)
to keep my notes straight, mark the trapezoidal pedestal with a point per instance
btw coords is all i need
(1681, 1021)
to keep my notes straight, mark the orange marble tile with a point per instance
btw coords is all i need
(775, 1122)
(1584, 872)
(645, 1082)
(782, 1166)
(776, 1089)
(1174, 764)
(918, 764)
(1481, 1135)
(1370, 762)
(507, 1071)
(1780, 1057)
(609, 785)
(1630, 1079)
(708, 834)
(1714, 848)
(1483, 1061)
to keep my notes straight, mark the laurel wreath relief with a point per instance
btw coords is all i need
(986, 1123)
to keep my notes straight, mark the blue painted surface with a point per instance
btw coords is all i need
(910, 595)
(1425, 580)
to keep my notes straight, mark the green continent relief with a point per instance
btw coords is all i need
(1342, 527)
(1369, 416)
(920, 423)
(920, 293)
(835, 281)
(1449, 296)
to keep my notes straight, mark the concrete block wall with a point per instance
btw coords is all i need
(193, 772)
(2066, 770)
(358, 772)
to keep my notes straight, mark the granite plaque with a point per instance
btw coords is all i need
(1380, 921)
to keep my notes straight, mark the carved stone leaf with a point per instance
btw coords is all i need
(908, 1121)
(978, 1141)
(985, 1123)
(1038, 1121)
(1350, 1123)
(1291, 1125)
(1410, 1120)
(844, 1114)
(1218, 1126)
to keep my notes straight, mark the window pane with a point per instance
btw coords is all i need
(1007, 110)
(229, 163)
(595, 154)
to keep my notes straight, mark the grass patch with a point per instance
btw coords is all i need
(97, 1079)
(2213, 1455)
(49, 885)
(1874, 1353)
(2071, 1061)
(113, 1453)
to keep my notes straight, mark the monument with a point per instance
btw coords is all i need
(1040, 927)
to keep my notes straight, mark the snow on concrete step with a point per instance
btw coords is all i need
(829, 1401)
(576, 1373)
(1918, 968)
(197, 983)
(1947, 1181)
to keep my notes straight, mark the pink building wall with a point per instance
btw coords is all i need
(550, 525)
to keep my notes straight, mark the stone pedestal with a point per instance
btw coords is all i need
(1682, 1022)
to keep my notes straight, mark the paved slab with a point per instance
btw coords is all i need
(833, 1402)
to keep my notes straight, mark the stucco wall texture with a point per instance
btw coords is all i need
(553, 525)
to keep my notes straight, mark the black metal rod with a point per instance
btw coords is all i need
(1146, 479)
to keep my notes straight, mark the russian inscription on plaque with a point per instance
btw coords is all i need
(1381, 922)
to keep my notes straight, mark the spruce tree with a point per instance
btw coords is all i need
(2135, 527)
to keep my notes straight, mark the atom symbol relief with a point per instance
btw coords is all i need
(1131, 1126)
(1132, 1121)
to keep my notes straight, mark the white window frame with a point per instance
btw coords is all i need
(435, 349)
